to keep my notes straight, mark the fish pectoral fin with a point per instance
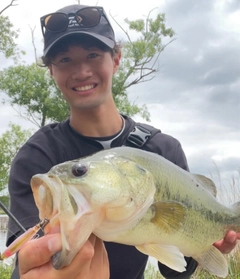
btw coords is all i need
(169, 216)
(166, 254)
(207, 183)
(213, 261)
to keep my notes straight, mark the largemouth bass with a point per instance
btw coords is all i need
(138, 198)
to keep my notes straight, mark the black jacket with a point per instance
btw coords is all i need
(58, 142)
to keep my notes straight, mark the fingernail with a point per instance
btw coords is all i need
(54, 244)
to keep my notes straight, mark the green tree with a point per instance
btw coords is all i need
(5, 200)
(140, 59)
(10, 142)
(8, 46)
(34, 90)
(5, 271)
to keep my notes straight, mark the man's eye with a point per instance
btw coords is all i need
(64, 60)
(93, 55)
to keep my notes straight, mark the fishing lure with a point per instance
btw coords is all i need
(23, 239)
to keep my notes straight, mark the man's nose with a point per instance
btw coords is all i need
(81, 71)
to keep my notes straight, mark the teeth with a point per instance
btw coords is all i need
(84, 88)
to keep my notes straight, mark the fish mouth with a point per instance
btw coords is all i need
(46, 198)
(68, 212)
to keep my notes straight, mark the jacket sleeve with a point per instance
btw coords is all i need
(172, 274)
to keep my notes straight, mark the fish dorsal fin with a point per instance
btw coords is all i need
(168, 216)
(166, 254)
(213, 261)
(207, 183)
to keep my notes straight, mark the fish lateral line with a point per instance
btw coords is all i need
(17, 244)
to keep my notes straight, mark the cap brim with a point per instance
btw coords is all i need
(110, 43)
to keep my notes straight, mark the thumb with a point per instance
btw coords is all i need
(39, 251)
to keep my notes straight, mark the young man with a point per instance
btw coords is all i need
(82, 56)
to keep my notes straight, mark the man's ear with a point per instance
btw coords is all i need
(116, 61)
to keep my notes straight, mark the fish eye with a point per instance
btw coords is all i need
(79, 169)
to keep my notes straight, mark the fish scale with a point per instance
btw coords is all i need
(134, 197)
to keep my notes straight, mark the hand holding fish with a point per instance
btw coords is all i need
(35, 260)
(228, 243)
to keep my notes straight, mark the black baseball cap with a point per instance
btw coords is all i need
(76, 19)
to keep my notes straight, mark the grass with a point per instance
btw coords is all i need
(228, 189)
(152, 272)
(234, 269)
(5, 271)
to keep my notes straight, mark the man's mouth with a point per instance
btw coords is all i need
(84, 88)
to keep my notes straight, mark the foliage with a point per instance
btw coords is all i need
(5, 200)
(35, 91)
(7, 44)
(126, 108)
(8, 47)
(140, 58)
(152, 272)
(10, 142)
(5, 271)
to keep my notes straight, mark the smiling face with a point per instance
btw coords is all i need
(84, 73)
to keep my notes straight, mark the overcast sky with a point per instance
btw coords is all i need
(195, 95)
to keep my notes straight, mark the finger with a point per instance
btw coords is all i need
(100, 259)
(38, 252)
(238, 236)
(78, 268)
(230, 237)
(100, 250)
(227, 244)
(92, 239)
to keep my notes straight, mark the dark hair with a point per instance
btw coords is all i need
(84, 41)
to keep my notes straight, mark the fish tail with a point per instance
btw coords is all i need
(213, 261)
